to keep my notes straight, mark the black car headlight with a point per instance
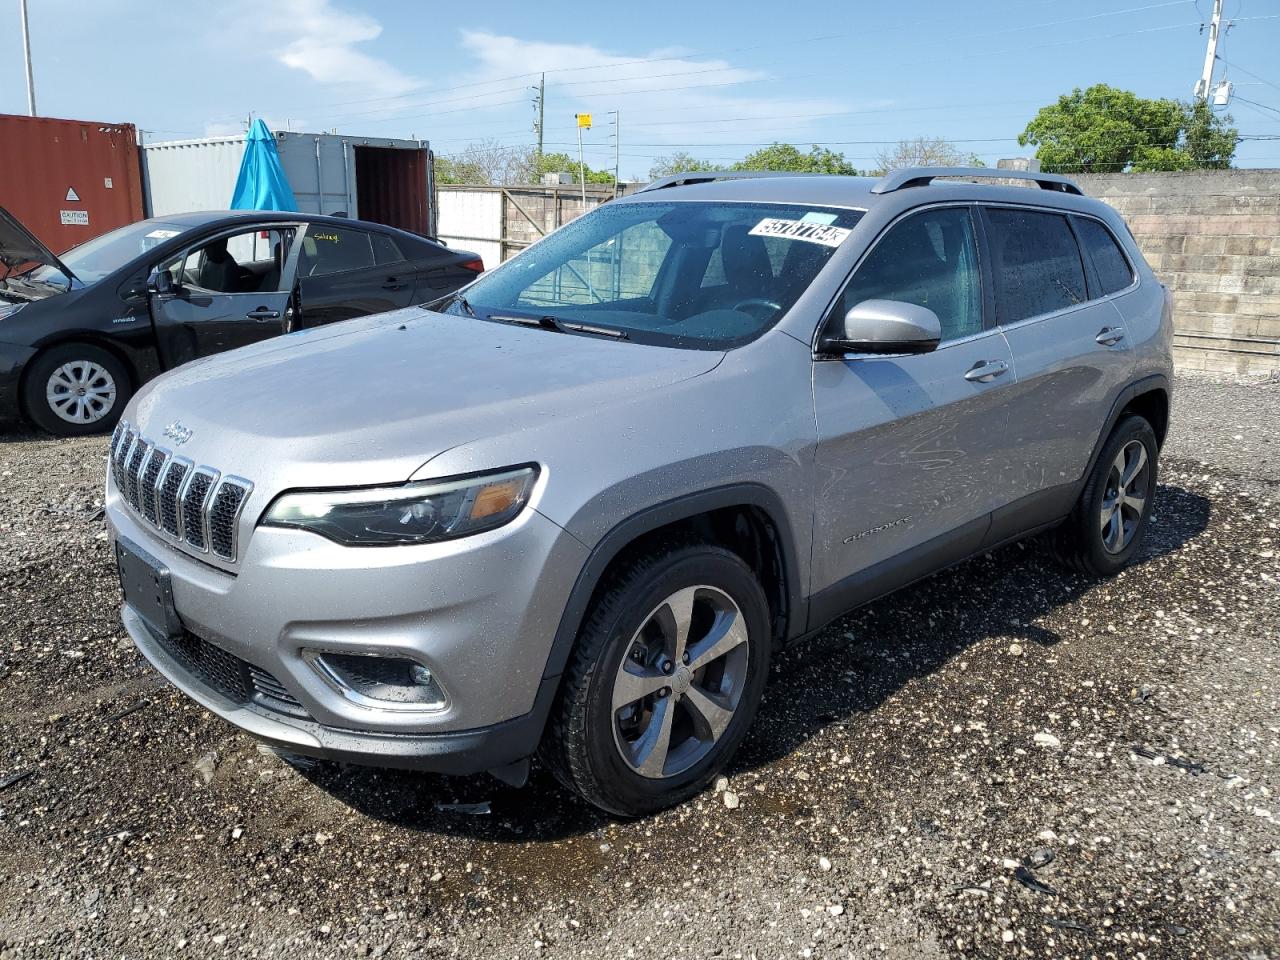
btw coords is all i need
(424, 512)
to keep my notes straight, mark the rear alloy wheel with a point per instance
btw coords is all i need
(664, 682)
(1105, 531)
(1124, 501)
(76, 389)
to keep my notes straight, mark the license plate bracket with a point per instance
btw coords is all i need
(147, 588)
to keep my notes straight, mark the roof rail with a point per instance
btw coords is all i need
(709, 176)
(923, 176)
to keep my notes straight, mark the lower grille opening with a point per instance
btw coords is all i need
(236, 679)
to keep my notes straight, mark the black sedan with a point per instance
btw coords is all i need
(80, 333)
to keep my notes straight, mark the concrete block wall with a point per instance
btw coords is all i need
(1214, 237)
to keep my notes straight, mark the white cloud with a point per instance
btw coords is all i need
(669, 98)
(320, 40)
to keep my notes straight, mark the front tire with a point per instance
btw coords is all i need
(1109, 523)
(76, 389)
(664, 682)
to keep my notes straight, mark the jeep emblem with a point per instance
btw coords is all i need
(178, 433)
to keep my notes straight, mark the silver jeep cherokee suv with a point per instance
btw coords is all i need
(574, 508)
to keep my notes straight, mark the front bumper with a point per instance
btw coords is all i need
(480, 612)
(461, 752)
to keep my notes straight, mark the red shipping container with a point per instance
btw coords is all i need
(69, 180)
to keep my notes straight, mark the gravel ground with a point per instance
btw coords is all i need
(1008, 760)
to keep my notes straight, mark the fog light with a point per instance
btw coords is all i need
(384, 683)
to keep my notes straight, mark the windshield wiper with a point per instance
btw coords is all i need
(561, 326)
(450, 300)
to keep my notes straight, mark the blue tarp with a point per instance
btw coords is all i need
(262, 184)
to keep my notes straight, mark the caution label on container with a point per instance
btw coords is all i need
(75, 218)
(72, 195)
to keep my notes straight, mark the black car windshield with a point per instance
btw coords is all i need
(690, 274)
(96, 258)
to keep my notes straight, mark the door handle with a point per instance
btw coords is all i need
(392, 284)
(263, 314)
(984, 371)
(1109, 336)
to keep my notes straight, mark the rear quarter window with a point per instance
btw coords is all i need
(1109, 262)
(385, 250)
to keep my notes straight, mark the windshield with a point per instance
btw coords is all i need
(96, 258)
(693, 274)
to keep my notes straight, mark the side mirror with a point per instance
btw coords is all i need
(160, 282)
(884, 326)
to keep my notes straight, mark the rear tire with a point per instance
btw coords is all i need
(1106, 529)
(76, 389)
(628, 684)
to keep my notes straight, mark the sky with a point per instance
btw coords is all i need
(715, 79)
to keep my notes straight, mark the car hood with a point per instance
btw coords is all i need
(19, 246)
(371, 400)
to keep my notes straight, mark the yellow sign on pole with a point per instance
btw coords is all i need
(584, 120)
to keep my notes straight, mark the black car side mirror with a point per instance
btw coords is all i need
(161, 283)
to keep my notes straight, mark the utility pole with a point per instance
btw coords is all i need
(1204, 87)
(617, 139)
(541, 101)
(584, 120)
(26, 52)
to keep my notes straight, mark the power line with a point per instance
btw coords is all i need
(1256, 104)
(1250, 73)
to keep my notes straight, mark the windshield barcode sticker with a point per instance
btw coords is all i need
(821, 233)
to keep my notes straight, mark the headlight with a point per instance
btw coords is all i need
(411, 513)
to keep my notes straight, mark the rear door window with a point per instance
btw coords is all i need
(328, 250)
(1037, 266)
(1109, 262)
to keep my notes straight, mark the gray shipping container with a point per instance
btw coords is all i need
(371, 178)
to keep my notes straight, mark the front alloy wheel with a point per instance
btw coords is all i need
(664, 681)
(681, 683)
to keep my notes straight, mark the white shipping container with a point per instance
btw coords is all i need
(372, 178)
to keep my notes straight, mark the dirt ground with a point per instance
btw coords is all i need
(1007, 760)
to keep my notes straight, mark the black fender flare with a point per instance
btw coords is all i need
(652, 518)
(1156, 381)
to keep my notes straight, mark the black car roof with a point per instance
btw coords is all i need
(206, 218)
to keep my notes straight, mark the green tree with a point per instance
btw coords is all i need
(924, 152)
(679, 162)
(1208, 139)
(456, 170)
(490, 162)
(1104, 129)
(563, 163)
(785, 157)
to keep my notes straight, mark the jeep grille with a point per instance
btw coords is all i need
(188, 503)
